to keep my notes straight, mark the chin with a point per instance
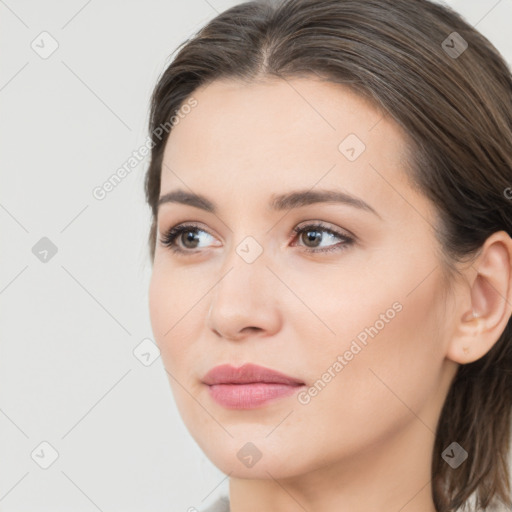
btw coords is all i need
(260, 459)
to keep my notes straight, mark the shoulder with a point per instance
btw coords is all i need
(221, 505)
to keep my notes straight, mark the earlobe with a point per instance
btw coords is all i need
(480, 325)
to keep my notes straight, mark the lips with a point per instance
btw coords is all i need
(249, 386)
(247, 374)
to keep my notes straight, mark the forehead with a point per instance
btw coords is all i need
(264, 138)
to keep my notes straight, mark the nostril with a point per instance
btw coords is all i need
(251, 329)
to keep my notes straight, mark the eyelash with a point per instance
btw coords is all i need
(168, 240)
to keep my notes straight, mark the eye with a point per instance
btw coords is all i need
(188, 236)
(313, 235)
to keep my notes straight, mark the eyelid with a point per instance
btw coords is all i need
(327, 226)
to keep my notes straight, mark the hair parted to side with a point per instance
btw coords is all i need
(457, 115)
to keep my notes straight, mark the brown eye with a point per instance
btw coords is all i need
(189, 237)
(313, 235)
(184, 238)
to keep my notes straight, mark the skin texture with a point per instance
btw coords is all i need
(364, 442)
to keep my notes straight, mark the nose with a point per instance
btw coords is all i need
(244, 302)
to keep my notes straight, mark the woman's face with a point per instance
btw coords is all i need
(353, 308)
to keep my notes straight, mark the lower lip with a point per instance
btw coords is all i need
(249, 396)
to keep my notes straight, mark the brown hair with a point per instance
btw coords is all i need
(456, 111)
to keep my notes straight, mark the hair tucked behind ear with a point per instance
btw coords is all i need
(456, 111)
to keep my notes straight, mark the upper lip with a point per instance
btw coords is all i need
(248, 373)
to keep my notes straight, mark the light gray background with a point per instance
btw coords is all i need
(68, 375)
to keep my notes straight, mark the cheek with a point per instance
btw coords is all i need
(173, 307)
(387, 334)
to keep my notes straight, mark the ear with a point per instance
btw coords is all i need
(486, 305)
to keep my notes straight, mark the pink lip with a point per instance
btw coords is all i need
(249, 386)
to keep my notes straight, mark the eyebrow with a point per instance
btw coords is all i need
(290, 200)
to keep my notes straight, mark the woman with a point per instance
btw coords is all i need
(330, 184)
